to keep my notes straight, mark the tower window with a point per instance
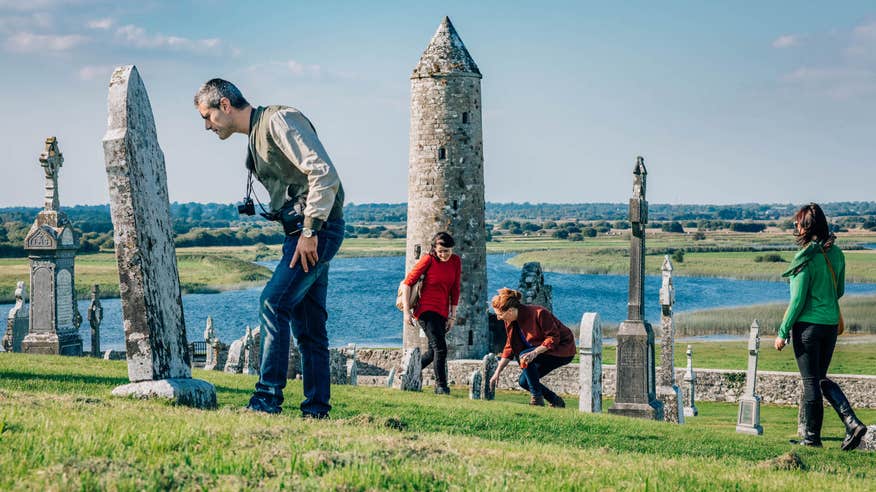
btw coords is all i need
(465, 117)
(455, 205)
(417, 251)
(442, 153)
(470, 337)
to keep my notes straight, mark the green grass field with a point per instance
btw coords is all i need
(60, 430)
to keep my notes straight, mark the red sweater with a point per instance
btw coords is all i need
(540, 327)
(440, 288)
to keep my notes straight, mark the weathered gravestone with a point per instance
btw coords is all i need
(475, 385)
(343, 366)
(235, 359)
(294, 361)
(251, 350)
(667, 391)
(690, 383)
(212, 359)
(490, 362)
(16, 322)
(410, 378)
(390, 378)
(533, 288)
(635, 386)
(748, 418)
(590, 365)
(95, 316)
(868, 443)
(152, 311)
(51, 246)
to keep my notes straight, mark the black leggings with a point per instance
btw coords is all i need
(435, 327)
(813, 348)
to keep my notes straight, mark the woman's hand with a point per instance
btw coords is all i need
(494, 380)
(450, 322)
(528, 357)
(780, 343)
(409, 319)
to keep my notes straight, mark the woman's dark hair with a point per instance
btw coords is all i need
(441, 239)
(810, 218)
(506, 299)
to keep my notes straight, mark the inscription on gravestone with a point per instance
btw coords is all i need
(155, 333)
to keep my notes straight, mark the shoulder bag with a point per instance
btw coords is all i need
(415, 292)
(841, 326)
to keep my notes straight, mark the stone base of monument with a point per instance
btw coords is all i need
(637, 410)
(52, 344)
(673, 408)
(189, 392)
(748, 419)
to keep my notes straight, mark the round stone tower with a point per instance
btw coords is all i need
(446, 181)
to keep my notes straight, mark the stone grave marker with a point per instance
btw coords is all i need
(475, 385)
(635, 385)
(690, 383)
(95, 316)
(390, 378)
(294, 361)
(411, 377)
(590, 365)
(748, 418)
(17, 323)
(250, 355)
(490, 362)
(155, 332)
(667, 391)
(212, 359)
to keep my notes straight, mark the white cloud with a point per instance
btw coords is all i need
(92, 72)
(28, 42)
(138, 37)
(287, 68)
(862, 48)
(297, 68)
(34, 21)
(104, 23)
(786, 41)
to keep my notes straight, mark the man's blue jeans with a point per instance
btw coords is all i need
(295, 299)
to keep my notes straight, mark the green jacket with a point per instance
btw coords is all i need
(813, 296)
(289, 160)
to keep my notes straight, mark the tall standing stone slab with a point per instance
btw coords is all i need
(95, 316)
(51, 246)
(476, 384)
(748, 418)
(635, 386)
(667, 391)
(533, 287)
(690, 386)
(490, 362)
(446, 182)
(590, 366)
(152, 312)
(17, 323)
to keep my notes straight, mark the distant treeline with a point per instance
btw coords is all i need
(218, 224)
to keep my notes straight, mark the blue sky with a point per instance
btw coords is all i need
(728, 103)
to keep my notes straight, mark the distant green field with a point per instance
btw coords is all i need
(61, 430)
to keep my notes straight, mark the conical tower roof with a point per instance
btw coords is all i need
(445, 55)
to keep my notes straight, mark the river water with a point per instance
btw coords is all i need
(361, 301)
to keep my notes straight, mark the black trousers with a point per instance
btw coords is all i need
(813, 349)
(435, 327)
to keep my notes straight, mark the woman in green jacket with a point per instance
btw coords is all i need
(812, 319)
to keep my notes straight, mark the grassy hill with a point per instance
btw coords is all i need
(60, 430)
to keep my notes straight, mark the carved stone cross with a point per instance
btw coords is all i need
(51, 159)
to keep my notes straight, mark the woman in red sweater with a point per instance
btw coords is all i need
(436, 310)
(538, 339)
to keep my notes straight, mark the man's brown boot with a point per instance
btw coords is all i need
(536, 401)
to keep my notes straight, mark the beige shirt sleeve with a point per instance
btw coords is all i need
(294, 135)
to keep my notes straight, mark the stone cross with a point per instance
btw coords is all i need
(748, 418)
(95, 316)
(490, 362)
(667, 391)
(411, 376)
(533, 287)
(51, 246)
(51, 159)
(590, 365)
(212, 347)
(17, 321)
(159, 363)
(690, 382)
(477, 383)
(635, 386)
(209, 331)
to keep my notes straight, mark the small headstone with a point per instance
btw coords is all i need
(748, 418)
(390, 378)
(352, 372)
(411, 376)
(337, 366)
(490, 362)
(159, 363)
(590, 366)
(690, 383)
(294, 361)
(212, 359)
(251, 359)
(667, 391)
(477, 381)
(95, 316)
(235, 359)
(17, 323)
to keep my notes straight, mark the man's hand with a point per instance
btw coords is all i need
(780, 343)
(306, 252)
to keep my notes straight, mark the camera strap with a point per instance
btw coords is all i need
(250, 194)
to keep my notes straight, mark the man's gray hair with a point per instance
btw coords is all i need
(215, 89)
